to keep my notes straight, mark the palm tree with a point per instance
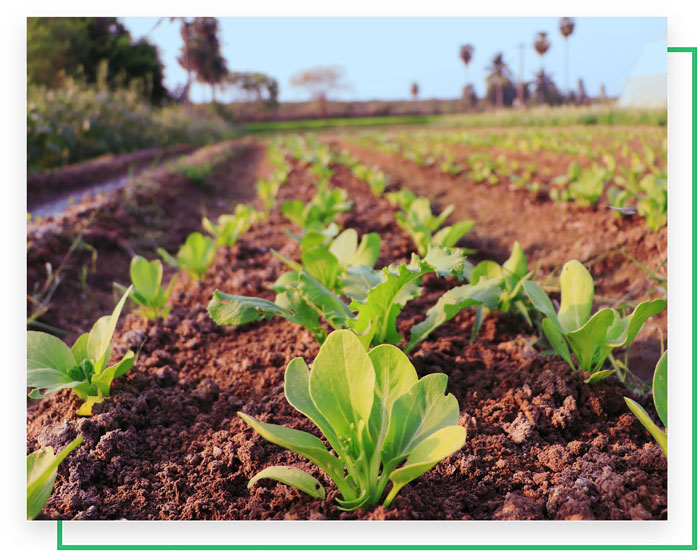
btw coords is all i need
(466, 55)
(541, 44)
(499, 76)
(566, 29)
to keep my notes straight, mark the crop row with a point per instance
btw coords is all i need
(383, 422)
(633, 179)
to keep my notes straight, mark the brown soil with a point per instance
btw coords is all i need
(168, 445)
(47, 186)
(159, 208)
(550, 234)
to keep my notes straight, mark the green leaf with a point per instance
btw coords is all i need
(146, 277)
(598, 376)
(657, 433)
(226, 309)
(196, 255)
(420, 412)
(446, 262)
(85, 409)
(46, 353)
(48, 363)
(395, 375)
(633, 324)
(428, 453)
(485, 269)
(449, 236)
(291, 476)
(659, 388)
(297, 392)
(485, 292)
(104, 379)
(577, 295)
(344, 246)
(79, 348)
(587, 340)
(368, 251)
(302, 443)
(377, 315)
(102, 332)
(42, 466)
(515, 268)
(342, 382)
(541, 302)
(557, 341)
(294, 211)
(321, 264)
(358, 281)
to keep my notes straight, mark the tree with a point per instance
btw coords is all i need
(546, 89)
(259, 87)
(499, 82)
(566, 29)
(541, 45)
(201, 52)
(319, 83)
(469, 96)
(414, 90)
(466, 55)
(77, 46)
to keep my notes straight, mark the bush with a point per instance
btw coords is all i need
(79, 121)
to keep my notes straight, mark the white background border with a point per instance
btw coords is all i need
(40, 536)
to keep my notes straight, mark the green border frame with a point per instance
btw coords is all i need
(694, 544)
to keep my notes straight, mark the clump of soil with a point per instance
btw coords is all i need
(167, 444)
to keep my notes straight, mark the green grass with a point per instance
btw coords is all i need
(293, 125)
(539, 116)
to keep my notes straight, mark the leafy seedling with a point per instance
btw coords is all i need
(52, 366)
(230, 227)
(591, 338)
(423, 226)
(340, 265)
(372, 313)
(42, 466)
(323, 208)
(503, 282)
(659, 393)
(195, 256)
(589, 186)
(148, 292)
(375, 414)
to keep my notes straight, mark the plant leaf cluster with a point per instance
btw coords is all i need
(382, 422)
(52, 365)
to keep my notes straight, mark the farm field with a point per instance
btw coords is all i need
(507, 215)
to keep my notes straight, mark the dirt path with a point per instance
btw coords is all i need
(168, 445)
(46, 190)
(92, 243)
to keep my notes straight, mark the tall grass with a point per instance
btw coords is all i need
(80, 121)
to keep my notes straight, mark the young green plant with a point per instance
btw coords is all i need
(372, 313)
(42, 466)
(194, 257)
(592, 339)
(659, 394)
(148, 292)
(52, 365)
(230, 227)
(423, 226)
(375, 414)
(492, 286)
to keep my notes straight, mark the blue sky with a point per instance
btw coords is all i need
(381, 57)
